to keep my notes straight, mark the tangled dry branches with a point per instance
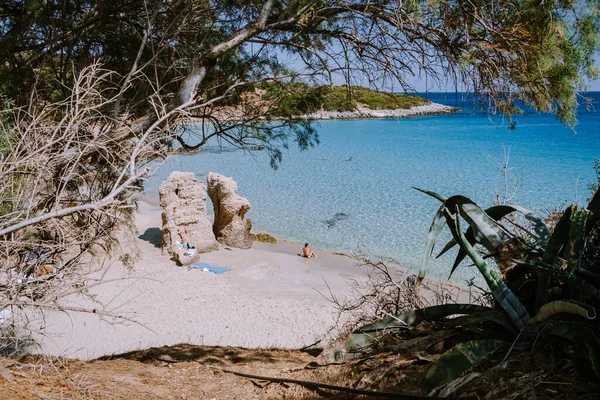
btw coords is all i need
(389, 291)
(68, 183)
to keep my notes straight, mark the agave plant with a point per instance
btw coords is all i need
(555, 255)
(553, 260)
(531, 269)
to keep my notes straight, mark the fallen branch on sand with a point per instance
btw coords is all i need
(310, 384)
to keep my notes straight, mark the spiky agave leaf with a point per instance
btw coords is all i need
(432, 194)
(434, 230)
(351, 347)
(586, 289)
(364, 337)
(594, 207)
(549, 310)
(497, 213)
(485, 229)
(470, 237)
(541, 229)
(424, 314)
(477, 323)
(542, 233)
(577, 237)
(567, 239)
(501, 293)
(559, 237)
(553, 247)
(462, 357)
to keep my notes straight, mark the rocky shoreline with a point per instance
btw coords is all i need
(428, 109)
(236, 113)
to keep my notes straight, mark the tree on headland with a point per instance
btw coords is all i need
(96, 91)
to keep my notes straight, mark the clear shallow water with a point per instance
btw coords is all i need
(386, 217)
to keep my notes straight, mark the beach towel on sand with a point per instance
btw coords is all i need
(206, 267)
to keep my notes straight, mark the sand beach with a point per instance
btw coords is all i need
(270, 297)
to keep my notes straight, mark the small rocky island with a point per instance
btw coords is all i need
(285, 100)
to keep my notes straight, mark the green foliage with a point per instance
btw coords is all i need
(295, 98)
(549, 310)
(530, 51)
(591, 259)
(5, 123)
(344, 98)
(487, 232)
(415, 317)
(555, 259)
(300, 99)
(454, 362)
(363, 338)
(44, 41)
(12, 188)
(497, 213)
(593, 187)
(577, 333)
(565, 53)
(565, 244)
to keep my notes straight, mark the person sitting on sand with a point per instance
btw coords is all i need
(189, 249)
(307, 252)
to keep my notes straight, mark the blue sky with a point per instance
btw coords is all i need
(421, 86)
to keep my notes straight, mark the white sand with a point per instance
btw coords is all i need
(270, 297)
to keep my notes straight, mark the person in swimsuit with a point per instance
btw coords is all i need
(307, 252)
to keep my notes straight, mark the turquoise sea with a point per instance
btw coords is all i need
(378, 211)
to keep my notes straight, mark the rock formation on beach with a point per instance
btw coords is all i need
(230, 226)
(183, 199)
(264, 238)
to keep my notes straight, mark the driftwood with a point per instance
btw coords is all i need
(310, 384)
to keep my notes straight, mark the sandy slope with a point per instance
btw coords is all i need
(270, 297)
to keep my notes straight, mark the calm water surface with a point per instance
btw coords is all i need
(385, 216)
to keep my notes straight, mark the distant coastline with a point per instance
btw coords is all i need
(427, 109)
(236, 113)
(324, 102)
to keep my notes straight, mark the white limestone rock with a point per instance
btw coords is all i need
(230, 226)
(183, 199)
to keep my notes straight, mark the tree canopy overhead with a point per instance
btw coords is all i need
(537, 52)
